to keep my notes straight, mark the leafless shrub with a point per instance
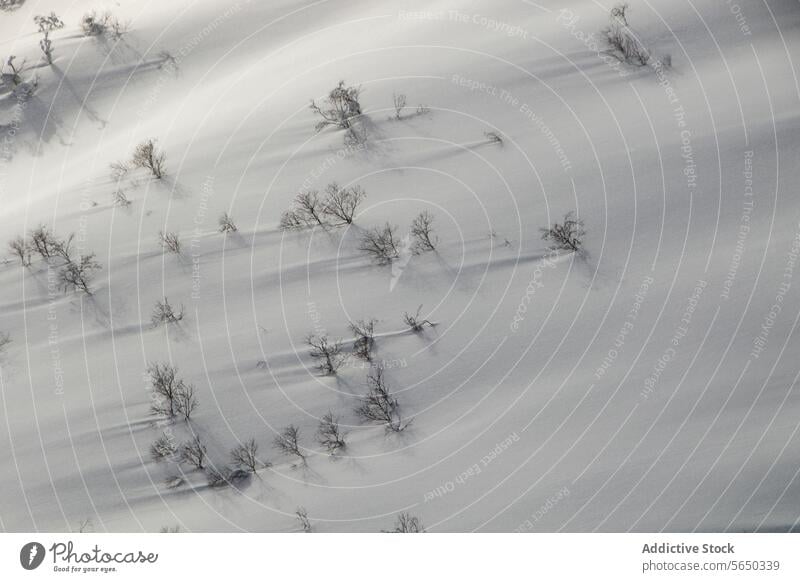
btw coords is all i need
(46, 25)
(22, 249)
(5, 339)
(407, 523)
(245, 456)
(327, 353)
(288, 442)
(162, 448)
(226, 223)
(291, 220)
(399, 103)
(341, 203)
(306, 212)
(105, 24)
(170, 529)
(329, 435)
(379, 405)
(168, 389)
(79, 274)
(43, 242)
(422, 109)
(381, 244)
(566, 235)
(193, 452)
(302, 517)
(493, 137)
(121, 199)
(225, 476)
(622, 41)
(164, 313)
(415, 322)
(10, 5)
(94, 23)
(146, 155)
(422, 231)
(117, 28)
(186, 401)
(63, 248)
(339, 108)
(170, 241)
(217, 478)
(119, 170)
(12, 72)
(85, 525)
(364, 337)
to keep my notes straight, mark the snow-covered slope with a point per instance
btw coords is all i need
(648, 384)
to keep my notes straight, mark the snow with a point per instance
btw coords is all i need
(618, 390)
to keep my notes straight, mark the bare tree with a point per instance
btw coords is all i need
(226, 223)
(170, 241)
(407, 523)
(164, 313)
(422, 231)
(379, 405)
(46, 25)
(381, 244)
(63, 248)
(167, 388)
(162, 448)
(622, 41)
(302, 517)
(308, 211)
(194, 453)
(341, 203)
(22, 249)
(245, 456)
(339, 108)
(147, 155)
(364, 334)
(415, 322)
(79, 274)
(43, 242)
(185, 401)
(566, 235)
(329, 435)
(399, 103)
(327, 353)
(288, 442)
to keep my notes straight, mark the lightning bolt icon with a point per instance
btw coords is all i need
(34, 551)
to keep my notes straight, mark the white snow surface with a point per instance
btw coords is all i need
(622, 389)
